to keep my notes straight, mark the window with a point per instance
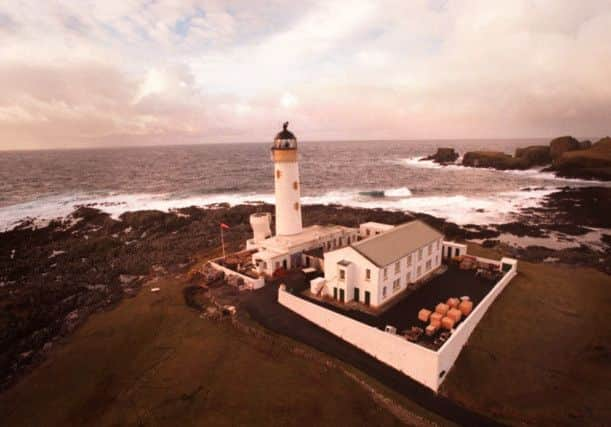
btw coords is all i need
(348, 240)
(384, 292)
(295, 185)
(278, 173)
(420, 254)
(367, 274)
(367, 232)
(419, 271)
(396, 285)
(430, 249)
(342, 274)
(428, 265)
(397, 267)
(436, 259)
(409, 260)
(385, 273)
(296, 205)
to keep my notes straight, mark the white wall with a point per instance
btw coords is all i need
(377, 282)
(419, 363)
(462, 249)
(450, 350)
(288, 219)
(253, 283)
(412, 359)
(359, 265)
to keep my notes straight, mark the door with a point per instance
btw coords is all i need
(334, 293)
(341, 295)
(367, 297)
(356, 294)
(284, 264)
(307, 261)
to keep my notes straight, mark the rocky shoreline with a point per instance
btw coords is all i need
(53, 278)
(565, 156)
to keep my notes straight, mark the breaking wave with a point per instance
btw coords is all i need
(461, 209)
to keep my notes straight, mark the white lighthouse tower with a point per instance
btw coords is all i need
(287, 186)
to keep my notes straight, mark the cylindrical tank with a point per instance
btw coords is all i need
(260, 223)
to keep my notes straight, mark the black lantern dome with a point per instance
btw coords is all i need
(285, 140)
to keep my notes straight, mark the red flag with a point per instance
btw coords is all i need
(225, 226)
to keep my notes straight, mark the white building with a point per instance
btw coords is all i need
(370, 265)
(285, 249)
(368, 229)
(374, 270)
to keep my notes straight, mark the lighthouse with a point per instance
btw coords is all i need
(287, 186)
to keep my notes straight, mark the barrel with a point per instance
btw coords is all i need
(447, 323)
(424, 314)
(465, 307)
(453, 302)
(454, 314)
(431, 329)
(442, 308)
(436, 318)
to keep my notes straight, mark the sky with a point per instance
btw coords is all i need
(141, 72)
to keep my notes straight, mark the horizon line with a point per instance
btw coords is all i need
(187, 144)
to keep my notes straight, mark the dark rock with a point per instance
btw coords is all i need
(535, 155)
(591, 163)
(490, 243)
(493, 159)
(561, 145)
(443, 156)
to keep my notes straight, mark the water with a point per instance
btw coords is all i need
(49, 184)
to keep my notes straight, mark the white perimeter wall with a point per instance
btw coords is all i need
(412, 359)
(450, 350)
(419, 363)
(251, 282)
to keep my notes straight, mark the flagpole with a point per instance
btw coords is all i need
(223, 242)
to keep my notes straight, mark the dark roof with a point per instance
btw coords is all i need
(396, 243)
(285, 133)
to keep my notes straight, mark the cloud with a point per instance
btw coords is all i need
(140, 72)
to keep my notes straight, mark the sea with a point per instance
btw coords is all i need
(43, 185)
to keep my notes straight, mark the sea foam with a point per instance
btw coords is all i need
(462, 209)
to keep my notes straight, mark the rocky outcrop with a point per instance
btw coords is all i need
(591, 163)
(525, 158)
(561, 145)
(492, 159)
(443, 156)
(535, 155)
(567, 156)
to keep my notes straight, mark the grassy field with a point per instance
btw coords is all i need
(153, 361)
(542, 354)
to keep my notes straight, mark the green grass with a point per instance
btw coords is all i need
(541, 354)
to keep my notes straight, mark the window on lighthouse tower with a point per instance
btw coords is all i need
(295, 185)
(278, 173)
(296, 206)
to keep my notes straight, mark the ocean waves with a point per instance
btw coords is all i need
(459, 208)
